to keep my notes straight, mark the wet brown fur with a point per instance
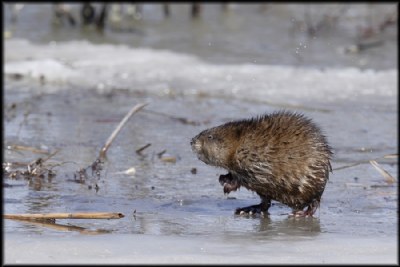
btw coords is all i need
(282, 156)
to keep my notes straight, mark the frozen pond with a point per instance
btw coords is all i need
(69, 96)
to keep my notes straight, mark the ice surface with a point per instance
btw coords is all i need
(182, 217)
(206, 249)
(86, 65)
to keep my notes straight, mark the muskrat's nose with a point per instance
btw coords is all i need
(195, 143)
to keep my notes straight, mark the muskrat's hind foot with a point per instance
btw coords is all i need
(309, 212)
(250, 210)
(261, 208)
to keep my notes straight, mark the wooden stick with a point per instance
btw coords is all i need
(135, 109)
(82, 215)
(388, 178)
(351, 165)
(51, 155)
(139, 151)
(28, 148)
(180, 119)
(389, 156)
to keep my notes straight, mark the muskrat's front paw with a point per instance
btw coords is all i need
(251, 210)
(228, 182)
(225, 178)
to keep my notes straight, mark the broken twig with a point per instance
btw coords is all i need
(135, 109)
(50, 216)
(139, 151)
(28, 148)
(389, 156)
(388, 178)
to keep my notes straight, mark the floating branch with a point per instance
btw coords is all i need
(139, 151)
(97, 165)
(28, 148)
(388, 178)
(119, 127)
(161, 153)
(351, 165)
(171, 159)
(389, 156)
(180, 119)
(54, 216)
(51, 155)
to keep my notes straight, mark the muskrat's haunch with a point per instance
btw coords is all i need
(282, 156)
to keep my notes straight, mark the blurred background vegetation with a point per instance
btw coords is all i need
(362, 35)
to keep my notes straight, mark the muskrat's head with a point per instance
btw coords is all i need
(215, 146)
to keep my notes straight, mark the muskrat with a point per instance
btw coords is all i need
(281, 156)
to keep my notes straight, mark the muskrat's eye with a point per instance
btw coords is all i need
(210, 137)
